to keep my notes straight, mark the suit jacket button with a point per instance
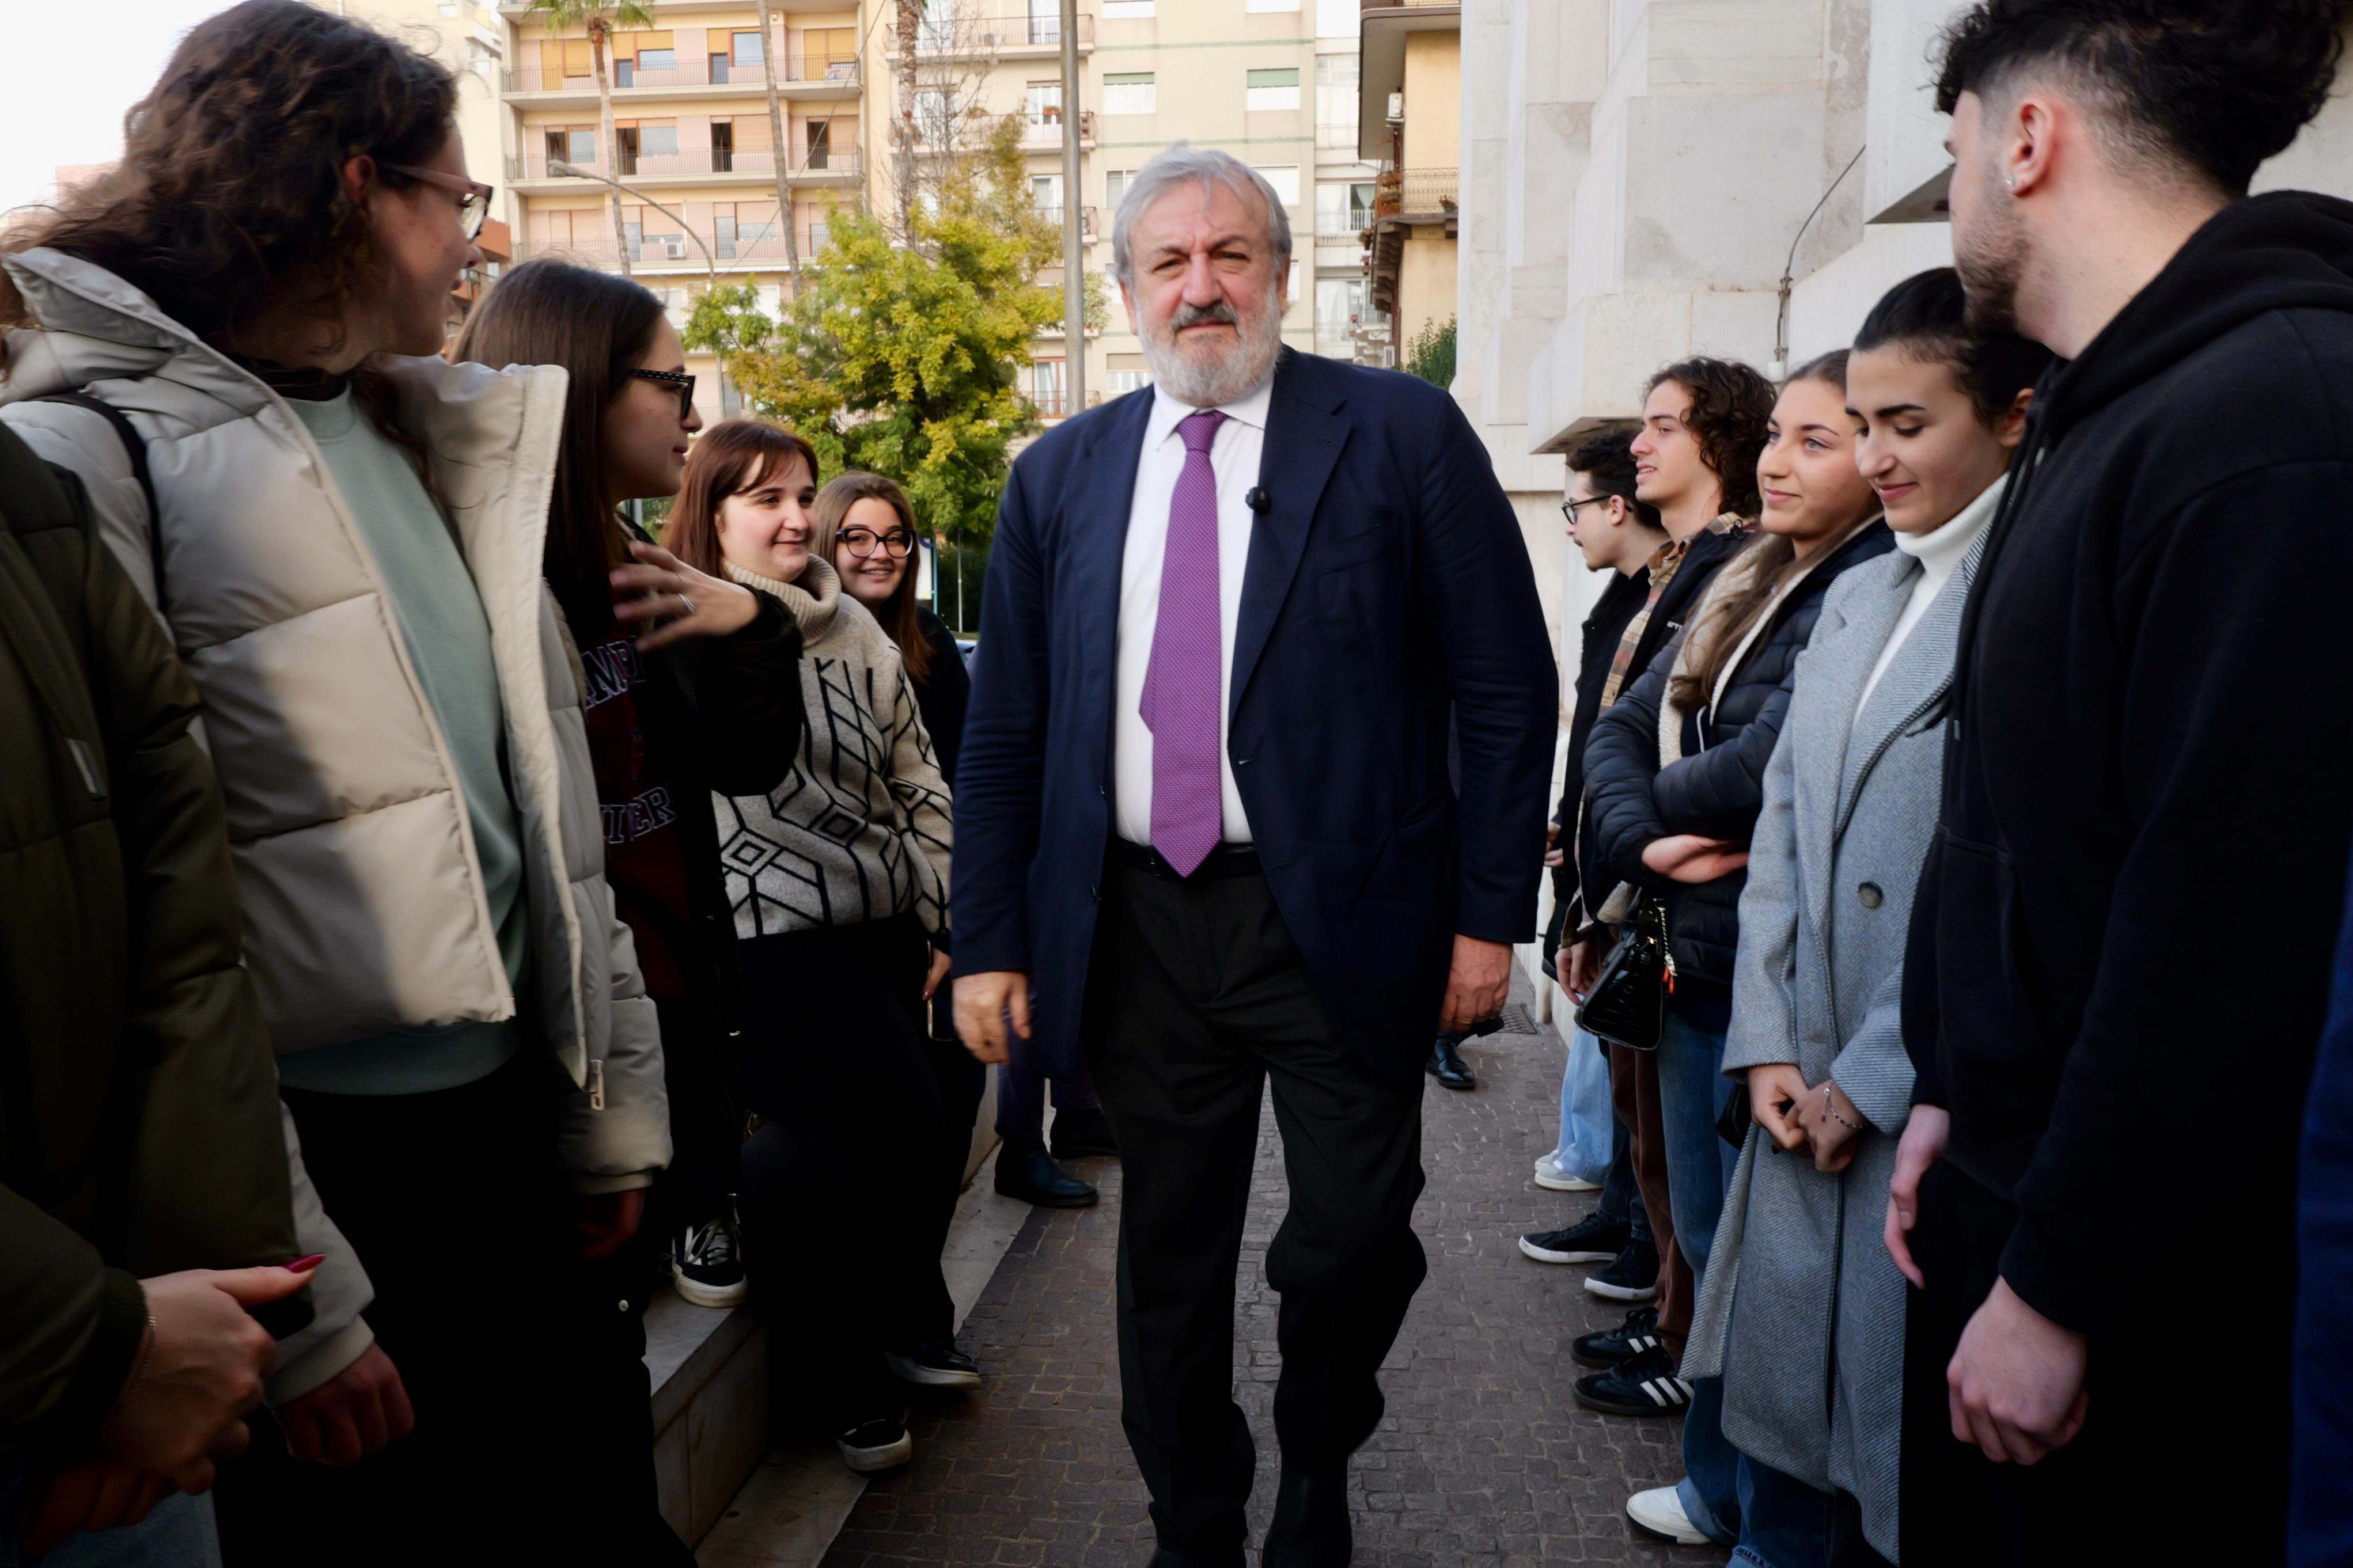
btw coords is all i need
(1870, 895)
(1094, 891)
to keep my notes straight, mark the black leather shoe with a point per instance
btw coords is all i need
(1447, 1066)
(1025, 1171)
(1081, 1134)
(1310, 1528)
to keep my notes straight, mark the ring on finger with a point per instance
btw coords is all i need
(687, 606)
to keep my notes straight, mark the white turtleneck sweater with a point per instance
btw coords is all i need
(1939, 552)
(861, 829)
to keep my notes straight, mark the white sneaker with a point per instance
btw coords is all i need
(1552, 1179)
(1660, 1513)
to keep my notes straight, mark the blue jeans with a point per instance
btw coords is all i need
(1021, 1096)
(1693, 1091)
(1784, 1522)
(178, 1533)
(1586, 1145)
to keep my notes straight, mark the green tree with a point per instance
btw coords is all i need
(600, 17)
(1431, 355)
(907, 360)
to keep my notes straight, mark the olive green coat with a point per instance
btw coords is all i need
(139, 1118)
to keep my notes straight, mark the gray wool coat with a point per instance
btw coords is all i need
(1802, 1310)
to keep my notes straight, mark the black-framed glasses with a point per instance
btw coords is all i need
(860, 542)
(473, 196)
(1568, 508)
(682, 380)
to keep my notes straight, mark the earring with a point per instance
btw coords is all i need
(2013, 182)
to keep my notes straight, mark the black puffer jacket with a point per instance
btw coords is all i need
(1716, 789)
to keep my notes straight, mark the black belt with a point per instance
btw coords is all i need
(1226, 860)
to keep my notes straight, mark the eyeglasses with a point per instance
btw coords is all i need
(1568, 508)
(473, 196)
(679, 379)
(860, 542)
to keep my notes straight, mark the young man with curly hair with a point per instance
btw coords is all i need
(2116, 698)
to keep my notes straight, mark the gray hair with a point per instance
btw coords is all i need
(1181, 161)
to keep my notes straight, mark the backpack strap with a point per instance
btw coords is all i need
(134, 446)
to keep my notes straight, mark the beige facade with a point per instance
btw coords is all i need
(1411, 110)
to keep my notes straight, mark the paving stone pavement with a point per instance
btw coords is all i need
(1482, 1461)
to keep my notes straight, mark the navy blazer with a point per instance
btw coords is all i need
(1387, 583)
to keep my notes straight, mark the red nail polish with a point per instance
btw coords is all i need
(304, 1265)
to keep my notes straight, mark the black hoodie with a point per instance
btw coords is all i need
(2121, 949)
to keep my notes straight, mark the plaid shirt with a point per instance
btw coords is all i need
(1664, 563)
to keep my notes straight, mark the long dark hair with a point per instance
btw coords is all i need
(732, 457)
(597, 326)
(1927, 316)
(899, 617)
(229, 201)
(1730, 405)
(1765, 567)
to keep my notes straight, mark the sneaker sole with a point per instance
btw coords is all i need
(1544, 1255)
(869, 1461)
(1680, 1537)
(922, 1376)
(1045, 1201)
(1609, 1407)
(1635, 1294)
(1565, 1184)
(1598, 1362)
(701, 1295)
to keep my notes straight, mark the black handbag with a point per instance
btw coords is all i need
(1627, 1005)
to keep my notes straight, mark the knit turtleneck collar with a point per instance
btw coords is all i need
(813, 598)
(1940, 550)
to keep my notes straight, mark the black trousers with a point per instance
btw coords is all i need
(526, 1443)
(2148, 1480)
(706, 1118)
(850, 1182)
(1196, 998)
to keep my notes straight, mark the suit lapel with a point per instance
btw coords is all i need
(1922, 671)
(1304, 437)
(1842, 658)
(1094, 519)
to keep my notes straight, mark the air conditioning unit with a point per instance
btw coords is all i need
(1396, 108)
(674, 246)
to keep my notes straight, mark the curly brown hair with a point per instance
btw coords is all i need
(229, 200)
(1731, 404)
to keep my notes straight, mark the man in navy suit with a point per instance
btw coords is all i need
(1204, 830)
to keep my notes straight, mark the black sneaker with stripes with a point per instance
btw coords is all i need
(1645, 1385)
(1615, 1347)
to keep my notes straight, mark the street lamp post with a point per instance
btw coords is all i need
(563, 170)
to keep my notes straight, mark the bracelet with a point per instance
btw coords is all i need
(1831, 1110)
(138, 1377)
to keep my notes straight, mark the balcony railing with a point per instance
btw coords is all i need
(799, 70)
(1425, 195)
(1393, 5)
(765, 252)
(1053, 215)
(988, 27)
(534, 164)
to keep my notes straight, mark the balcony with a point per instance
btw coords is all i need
(1404, 200)
(695, 166)
(1383, 26)
(1053, 215)
(1040, 132)
(678, 253)
(994, 29)
(805, 75)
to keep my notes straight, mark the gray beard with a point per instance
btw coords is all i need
(1230, 375)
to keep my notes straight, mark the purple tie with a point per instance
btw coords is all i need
(1181, 689)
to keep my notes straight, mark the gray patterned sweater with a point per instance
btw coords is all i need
(861, 829)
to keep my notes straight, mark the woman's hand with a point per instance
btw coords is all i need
(605, 1221)
(1582, 966)
(939, 972)
(1831, 1123)
(1774, 1088)
(1555, 856)
(1688, 857)
(686, 602)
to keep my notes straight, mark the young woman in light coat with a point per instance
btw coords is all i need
(342, 534)
(1802, 1310)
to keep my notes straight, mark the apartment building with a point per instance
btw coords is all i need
(1410, 109)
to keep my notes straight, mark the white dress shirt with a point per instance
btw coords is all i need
(1234, 458)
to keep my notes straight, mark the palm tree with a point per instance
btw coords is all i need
(600, 17)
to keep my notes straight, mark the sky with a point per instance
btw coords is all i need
(70, 109)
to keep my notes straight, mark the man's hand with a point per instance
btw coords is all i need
(1829, 1121)
(1923, 1145)
(1775, 1090)
(350, 1415)
(605, 1222)
(1688, 857)
(1477, 985)
(202, 1367)
(1583, 966)
(983, 1004)
(2016, 1386)
(1554, 854)
(91, 1496)
(939, 972)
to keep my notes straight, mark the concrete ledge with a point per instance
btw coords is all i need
(709, 1368)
